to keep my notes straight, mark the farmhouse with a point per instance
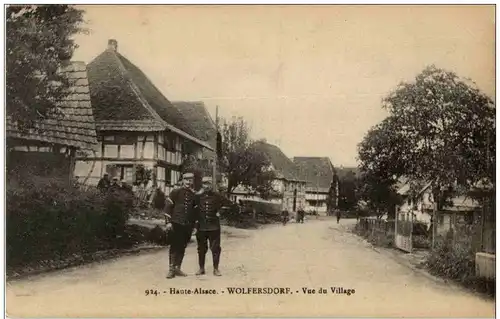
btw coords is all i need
(137, 127)
(320, 176)
(288, 183)
(460, 209)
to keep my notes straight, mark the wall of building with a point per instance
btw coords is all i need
(288, 195)
(316, 201)
(38, 162)
(119, 154)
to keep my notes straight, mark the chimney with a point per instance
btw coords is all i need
(112, 45)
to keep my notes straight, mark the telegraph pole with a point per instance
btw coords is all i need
(214, 164)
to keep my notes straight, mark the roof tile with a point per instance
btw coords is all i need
(124, 98)
(317, 171)
(283, 166)
(59, 129)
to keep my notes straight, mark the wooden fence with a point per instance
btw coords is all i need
(375, 225)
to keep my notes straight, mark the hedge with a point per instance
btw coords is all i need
(56, 221)
(454, 258)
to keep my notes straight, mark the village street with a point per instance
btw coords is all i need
(318, 253)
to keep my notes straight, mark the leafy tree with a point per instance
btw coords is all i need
(380, 195)
(445, 128)
(242, 162)
(380, 168)
(441, 129)
(347, 192)
(331, 202)
(38, 42)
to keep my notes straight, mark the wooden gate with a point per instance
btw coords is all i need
(403, 233)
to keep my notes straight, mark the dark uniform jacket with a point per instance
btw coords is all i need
(182, 210)
(208, 205)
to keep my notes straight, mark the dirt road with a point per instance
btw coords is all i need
(313, 255)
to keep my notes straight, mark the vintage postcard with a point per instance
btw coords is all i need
(250, 160)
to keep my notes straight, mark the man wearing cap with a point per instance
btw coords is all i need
(180, 220)
(208, 204)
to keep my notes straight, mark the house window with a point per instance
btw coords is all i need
(168, 176)
(121, 172)
(119, 146)
(171, 142)
(161, 152)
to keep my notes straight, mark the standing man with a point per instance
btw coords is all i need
(284, 216)
(209, 203)
(300, 215)
(104, 182)
(180, 220)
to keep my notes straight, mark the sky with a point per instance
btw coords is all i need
(309, 79)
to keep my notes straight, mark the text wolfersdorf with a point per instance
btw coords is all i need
(259, 291)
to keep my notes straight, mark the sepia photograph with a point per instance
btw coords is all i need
(250, 160)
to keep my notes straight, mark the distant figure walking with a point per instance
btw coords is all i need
(284, 217)
(300, 215)
(338, 216)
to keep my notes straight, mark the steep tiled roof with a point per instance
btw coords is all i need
(196, 121)
(459, 204)
(124, 98)
(282, 164)
(317, 171)
(75, 126)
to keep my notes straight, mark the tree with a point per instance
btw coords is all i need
(39, 41)
(347, 192)
(380, 195)
(440, 129)
(331, 202)
(380, 168)
(242, 162)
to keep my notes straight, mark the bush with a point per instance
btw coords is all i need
(421, 242)
(55, 221)
(453, 258)
(265, 213)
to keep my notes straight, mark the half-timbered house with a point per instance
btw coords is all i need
(137, 126)
(287, 183)
(320, 176)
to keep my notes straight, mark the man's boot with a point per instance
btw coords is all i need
(171, 262)
(177, 269)
(216, 257)
(201, 262)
